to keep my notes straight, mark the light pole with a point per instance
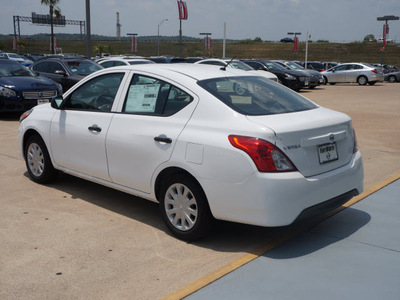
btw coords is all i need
(296, 42)
(88, 32)
(158, 37)
(385, 31)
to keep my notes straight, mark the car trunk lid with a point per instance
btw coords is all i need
(316, 141)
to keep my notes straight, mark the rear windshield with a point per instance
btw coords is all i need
(254, 95)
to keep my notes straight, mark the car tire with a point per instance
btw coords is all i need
(311, 87)
(38, 162)
(332, 83)
(184, 208)
(362, 80)
(325, 81)
(392, 79)
(371, 82)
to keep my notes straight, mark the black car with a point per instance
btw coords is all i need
(293, 79)
(21, 89)
(315, 77)
(65, 71)
(287, 40)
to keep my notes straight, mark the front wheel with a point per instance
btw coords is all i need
(392, 79)
(362, 80)
(37, 160)
(184, 208)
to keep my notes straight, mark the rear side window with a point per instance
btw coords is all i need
(150, 96)
(253, 95)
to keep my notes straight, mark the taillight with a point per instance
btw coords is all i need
(266, 156)
(355, 146)
(374, 71)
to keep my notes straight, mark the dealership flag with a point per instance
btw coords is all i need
(385, 31)
(183, 12)
(207, 42)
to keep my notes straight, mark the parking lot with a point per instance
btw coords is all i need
(78, 240)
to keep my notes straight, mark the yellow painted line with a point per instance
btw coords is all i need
(241, 261)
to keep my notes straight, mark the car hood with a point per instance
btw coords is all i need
(28, 83)
(301, 134)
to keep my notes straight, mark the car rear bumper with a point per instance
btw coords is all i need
(278, 199)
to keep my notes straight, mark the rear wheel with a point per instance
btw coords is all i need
(37, 160)
(371, 82)
(184, 208)
(392, 79)
(362, 80)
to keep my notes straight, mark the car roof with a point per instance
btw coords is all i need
(194, 71)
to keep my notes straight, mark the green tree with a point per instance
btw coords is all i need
(369, 37)
(54, 10)
(258, 40)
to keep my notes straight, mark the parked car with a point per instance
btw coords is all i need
(181, 136)
(287, 40)
(67, 71)
(16, 57)
(21, 89)
(361, 73)
(236, 64)
(112, 62)
(312, 65)
(393, 77)
(315, 77)
(293, 79)
(166, 60)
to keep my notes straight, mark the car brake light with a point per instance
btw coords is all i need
(355, 145)
(266, 156)
(374, 71)
(322, 70)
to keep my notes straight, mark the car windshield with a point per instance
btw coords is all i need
(9, 70)
(274, 66)
(82, 67)
(295, 66)
(12, 55)
(239, 65)
(254, 95)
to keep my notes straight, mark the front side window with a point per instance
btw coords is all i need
(254, 95)
(52, 67)
(150, 96)
(97, 94)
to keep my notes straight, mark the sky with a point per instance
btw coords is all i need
(333, 20)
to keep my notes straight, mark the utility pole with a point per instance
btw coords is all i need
(88, 33)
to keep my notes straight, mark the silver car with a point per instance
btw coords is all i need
(361, 73)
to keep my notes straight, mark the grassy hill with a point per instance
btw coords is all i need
(351, 52)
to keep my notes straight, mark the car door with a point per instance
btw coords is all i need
(78, 130)
(353, 72)
(143, 136)
(338, 74)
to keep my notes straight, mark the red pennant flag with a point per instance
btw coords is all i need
(183, 12)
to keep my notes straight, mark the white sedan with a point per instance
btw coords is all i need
(180, 135)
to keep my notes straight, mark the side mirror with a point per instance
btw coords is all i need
(57, 103)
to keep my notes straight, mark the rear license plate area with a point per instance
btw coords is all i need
(327, 153)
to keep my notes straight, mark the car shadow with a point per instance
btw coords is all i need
(225, 236)
(337, 228)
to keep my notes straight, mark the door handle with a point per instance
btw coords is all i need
(94, 128)
(161, 139)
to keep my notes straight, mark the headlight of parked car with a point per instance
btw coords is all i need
(7, 92)
(290, 77)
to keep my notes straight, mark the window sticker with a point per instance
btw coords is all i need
(142, 98)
